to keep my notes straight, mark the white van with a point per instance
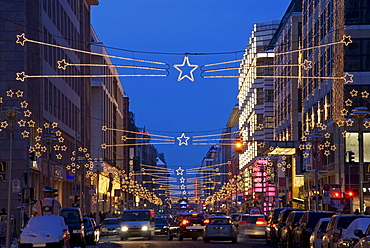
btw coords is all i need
(137, 223)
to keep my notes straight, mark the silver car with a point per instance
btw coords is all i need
(220, 228)
(110, 226)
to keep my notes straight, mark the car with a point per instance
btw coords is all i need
(235, 217)
(161, 225)
(283, 215)
(110, 226)
(364, 241)
(220, 228)
(137, 223)
(318, 233)
(186, 225)
(271, 226)
(92, 233)
(349, 239)
(302, 233)
(73, 219)
(45, 231)
(252, 225)
(337, 224)
(286, 237)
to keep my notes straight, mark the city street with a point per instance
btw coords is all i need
(161, 242)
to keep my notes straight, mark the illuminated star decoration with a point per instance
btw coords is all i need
(179, 171)
(182, 180)
(181, 138)
(181, 76)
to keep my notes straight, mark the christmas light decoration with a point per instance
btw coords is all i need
(181, 76)
(183, 140)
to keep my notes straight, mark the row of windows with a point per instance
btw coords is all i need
(62, 21)
(58, 105)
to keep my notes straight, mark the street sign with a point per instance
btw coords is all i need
(326, 199)
(326, 187)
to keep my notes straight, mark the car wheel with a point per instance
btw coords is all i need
(194, 239)
(234, 241)
(150, 237)
(179, 236)
(206, 240)
(123, 238)
(169, 236)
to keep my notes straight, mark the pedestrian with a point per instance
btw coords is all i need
(357, 211)
(3, 212)
(48, 205)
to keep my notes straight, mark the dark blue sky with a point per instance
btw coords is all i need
(164, 30)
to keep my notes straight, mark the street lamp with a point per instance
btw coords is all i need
(11, 113)
(316, 138)
(360, 113)
(97, 168)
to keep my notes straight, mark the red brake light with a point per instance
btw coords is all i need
(206, 221)
(184, 222)
(194, 215)
(261, 222)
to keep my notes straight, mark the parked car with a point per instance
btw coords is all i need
(46, 231)
(92, 233)
(349, 239)
(253, 225)
(137, 223)
(271, 226)
(283, 215)
(318, 233)
(110, 226)
(291, 222)
(73, 219)
(364, 241)
(303, 232)
(337, 224)
(220, 228)
(161, 225)
(186, 225)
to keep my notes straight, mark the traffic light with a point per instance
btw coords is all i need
(21, 195)
(351, 156)
(136, 164)
(336, 194)
(32, 156)
(238, 144)
(350, 194)
(77, 201)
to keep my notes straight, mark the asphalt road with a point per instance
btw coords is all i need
(161, 242)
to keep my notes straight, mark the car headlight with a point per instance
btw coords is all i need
(77, 231)
(124, 229)
(145, 228)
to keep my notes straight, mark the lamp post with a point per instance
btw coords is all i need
(49, 138)
(360, 113)
(316, 137)
(98, 169)
(11, 113)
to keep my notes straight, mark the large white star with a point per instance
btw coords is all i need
(185, 142)
(181, 76)
(179, 171)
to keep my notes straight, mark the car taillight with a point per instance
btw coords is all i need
(206, 221)
(261, 222)
(336, 237)
(184, 222)
(244, 223)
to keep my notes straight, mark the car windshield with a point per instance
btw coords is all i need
(87, 223)
(315, 217)
(220, 221)
(111, 222)
(160, 220)
(135, 216)
(70, 216)
(345, 221)
(235, 217)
